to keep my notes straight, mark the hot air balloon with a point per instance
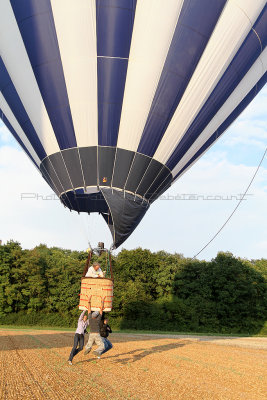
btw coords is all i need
(113, 100)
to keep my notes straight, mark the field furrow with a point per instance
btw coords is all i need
(139, 367)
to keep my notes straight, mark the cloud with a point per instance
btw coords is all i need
(257, 108)
(182, 226)
(31, 214)
(187, 225)
(248, 133)
(5, 136)
(262, 245)
(250, 128)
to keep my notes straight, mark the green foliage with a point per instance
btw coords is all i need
(153, 291)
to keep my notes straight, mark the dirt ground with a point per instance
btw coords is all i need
(33, 365)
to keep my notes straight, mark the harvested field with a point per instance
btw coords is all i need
(33, 365)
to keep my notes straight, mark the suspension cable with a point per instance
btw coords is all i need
(238, 204)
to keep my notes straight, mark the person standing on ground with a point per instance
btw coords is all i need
(83, 323)
(94, 337)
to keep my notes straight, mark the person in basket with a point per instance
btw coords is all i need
(95, 271)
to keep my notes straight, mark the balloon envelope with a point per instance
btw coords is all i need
(114, 99)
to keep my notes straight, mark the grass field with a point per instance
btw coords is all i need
(261, 333)
(33, 365)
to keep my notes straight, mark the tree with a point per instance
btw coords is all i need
(159, 290)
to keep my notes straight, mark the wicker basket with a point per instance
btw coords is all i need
(98, 288)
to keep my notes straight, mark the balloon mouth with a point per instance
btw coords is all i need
(118, 184)
(122, 211)
(90, 190)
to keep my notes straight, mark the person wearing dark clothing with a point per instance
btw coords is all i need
(94, 321)
(105, 330)
(83, 323)
(94, 337)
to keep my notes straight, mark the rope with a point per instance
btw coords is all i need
(82, 226)
(238, 204)
(107, 264)
(86, 224)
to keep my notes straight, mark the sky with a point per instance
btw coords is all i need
(182, 221)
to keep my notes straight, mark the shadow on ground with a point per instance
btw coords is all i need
(138, 354)
(33, 340)
(13, 340)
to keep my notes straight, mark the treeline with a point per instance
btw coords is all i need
(153, 291)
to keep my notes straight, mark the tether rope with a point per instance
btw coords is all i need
(238, 204)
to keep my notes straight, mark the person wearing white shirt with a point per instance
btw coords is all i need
(95, 271)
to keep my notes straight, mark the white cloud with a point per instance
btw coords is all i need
(174, 225)
(250, 129)
(257, 108)
(262, 245)
(5, 136)
(187, 225)
(27, 218)
(247, 132)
